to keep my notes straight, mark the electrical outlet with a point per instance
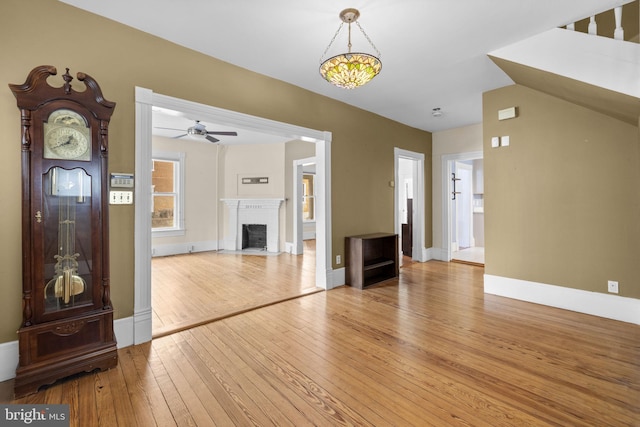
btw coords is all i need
(338, 259)
(612, 286)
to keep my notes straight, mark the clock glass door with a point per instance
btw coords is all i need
(67, 239)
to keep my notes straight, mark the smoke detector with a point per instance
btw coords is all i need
(436, 112)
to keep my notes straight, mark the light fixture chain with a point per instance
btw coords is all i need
(331, 42)
(368, 39)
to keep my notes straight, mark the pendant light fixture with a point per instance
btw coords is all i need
(352, 69)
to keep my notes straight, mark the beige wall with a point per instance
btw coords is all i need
(251, 161)
(200, 213)
(562, 202)
(38, 32)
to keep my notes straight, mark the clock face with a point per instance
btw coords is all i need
(66, 136)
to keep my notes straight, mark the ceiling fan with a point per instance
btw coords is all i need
(200, 129)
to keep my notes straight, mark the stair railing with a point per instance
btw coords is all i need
(592, 28)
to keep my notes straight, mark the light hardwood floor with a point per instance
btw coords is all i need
(193, 289)
(427, 349)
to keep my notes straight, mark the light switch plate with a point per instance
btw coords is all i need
(495, 142)
(121, 197)
(504, 141)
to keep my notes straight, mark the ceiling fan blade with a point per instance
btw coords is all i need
(211, 139)
(180, 136)
(155, 127)
(222, 133)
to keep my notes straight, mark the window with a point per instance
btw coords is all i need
(167, 199)
(308, 198)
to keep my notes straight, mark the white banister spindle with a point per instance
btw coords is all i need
(571, 27)
(593, 27)
(618, 33)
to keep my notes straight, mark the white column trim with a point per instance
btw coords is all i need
(142, 218)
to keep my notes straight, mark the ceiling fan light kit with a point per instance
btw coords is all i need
(351, 69)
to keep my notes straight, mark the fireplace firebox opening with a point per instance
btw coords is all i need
(254, 236)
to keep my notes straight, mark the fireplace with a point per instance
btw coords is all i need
(252, 213)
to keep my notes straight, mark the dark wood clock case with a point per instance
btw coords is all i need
(67, 316)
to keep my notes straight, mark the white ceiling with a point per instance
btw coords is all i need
(433, 52)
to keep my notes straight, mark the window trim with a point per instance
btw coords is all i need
(179, 158)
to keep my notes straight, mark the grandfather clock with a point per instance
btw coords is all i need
(67, 317)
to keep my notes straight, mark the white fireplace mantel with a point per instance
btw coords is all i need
(253, 211)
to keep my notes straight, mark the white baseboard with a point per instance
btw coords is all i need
(123, 330)
(184, 248)
(142, 327)
(438, 254)
(9, 353)
(429, 254)
(594, 303)
(338, 277)
(8, 360)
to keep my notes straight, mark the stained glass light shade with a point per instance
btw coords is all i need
(350, 70)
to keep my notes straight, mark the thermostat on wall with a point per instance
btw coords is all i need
(507, 113)
(122, 180)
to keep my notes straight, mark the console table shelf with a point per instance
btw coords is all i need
(371, 259)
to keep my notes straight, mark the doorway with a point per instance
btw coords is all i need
(145, 100)
(409, 204)
(463, 207)
(304, 206)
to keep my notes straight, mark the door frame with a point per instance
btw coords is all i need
(145, 100)
(447, 161)
(418, 252)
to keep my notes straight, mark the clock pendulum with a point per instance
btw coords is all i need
(66, 282)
